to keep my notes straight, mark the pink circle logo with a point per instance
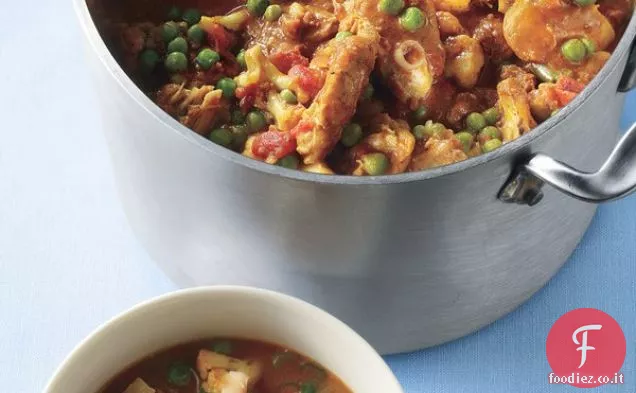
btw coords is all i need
(586, 348)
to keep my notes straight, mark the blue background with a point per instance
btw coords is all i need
(68, 260)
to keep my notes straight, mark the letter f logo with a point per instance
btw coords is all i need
(584, 347)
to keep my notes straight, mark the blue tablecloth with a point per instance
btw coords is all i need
(68, 260)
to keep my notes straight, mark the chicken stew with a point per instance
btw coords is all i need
(362, 87)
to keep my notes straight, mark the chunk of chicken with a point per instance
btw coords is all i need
(514, 108)
(489, 33)
(196, 108)
(464, 60)
(223, 381)
(410, 62)
(351, 61)
(139, 386)
(209, 362)
(464, 104)
(439, 150)
(534, 29)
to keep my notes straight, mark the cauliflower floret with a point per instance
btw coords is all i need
(441, 149)
(260, 69)
(286, 115)
(464, 60)
(196, 108)
(514, 107)
(235, 21)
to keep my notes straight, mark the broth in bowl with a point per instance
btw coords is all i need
(226, 366)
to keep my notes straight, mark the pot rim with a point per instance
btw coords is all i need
(113, 67)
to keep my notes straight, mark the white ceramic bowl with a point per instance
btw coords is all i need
(229, 311)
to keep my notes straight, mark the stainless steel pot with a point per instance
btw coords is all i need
(409, 260)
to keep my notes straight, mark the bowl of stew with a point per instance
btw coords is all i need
(224, 340)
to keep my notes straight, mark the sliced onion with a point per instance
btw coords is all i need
(409, 55)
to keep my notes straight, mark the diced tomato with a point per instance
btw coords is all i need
(309, 80)
(569, 84)
(221, 38)
(302, 126)
(273, 143)
(246, 96)
(284, 61)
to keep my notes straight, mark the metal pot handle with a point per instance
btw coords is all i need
(615, 179)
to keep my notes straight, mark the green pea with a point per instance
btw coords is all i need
(255, 121)
(491, 145)
(179, 44)
(466, 138)
(207, 58)
(239, 136)
(590, 46)
(240, 58)
(491, 116)
(420, 114)
(574, 50)
(289, 97)
(238, 117)
(412, 19)
(191, 16)
(223, 347)
(391, 7)
(176, 62)
(174, 13)
(367, 93)
(490, 132)
(307, 387)
(179, 374)
(375, 164)
(343, 34)
(228, 86)
(419, 131)
(431, 128)
(221, 136)
(289, 162)
(257, 7)
(148, 60)
(196, 34)
(169, 31)
(351, 134)
(272, 13)
(584, 3)
(475, 121)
